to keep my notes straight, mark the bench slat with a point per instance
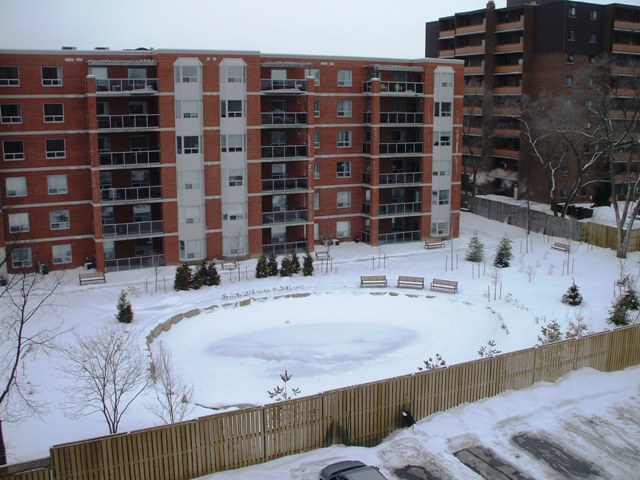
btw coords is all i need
(410, 282)
(447, 285)
(373, 281)
(96, 277)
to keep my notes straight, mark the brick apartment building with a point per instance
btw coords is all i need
(125, 159)
(520, 50)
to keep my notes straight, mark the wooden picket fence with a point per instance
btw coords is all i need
(358, 415)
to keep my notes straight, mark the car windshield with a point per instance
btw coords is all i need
(365, 473)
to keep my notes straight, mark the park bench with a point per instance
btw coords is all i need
(446, 285)
(433, 244)
(94, 277)
(410, 282)
(227, 265)
(563, 247)
(322, 255)
(373, 281)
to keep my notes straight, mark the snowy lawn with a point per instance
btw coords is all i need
(338, 335)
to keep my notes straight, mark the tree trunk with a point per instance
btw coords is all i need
(3, 448)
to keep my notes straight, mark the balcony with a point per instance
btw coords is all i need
(284, 247)
(450, 52)
(399, 237)
(125, 159)
(508, 69)
(478, 28)
(505, 27)
(131, 194)
(506, 132)
(475, 70)
(133, 263)
(625, 48)
(401, 117)
(396, 87)
(284, 151)
(400, 148)
(288, 216)
(449, 33)
(626, 25)
(133, 229)
(512, 154)
(507, 90)
(509, 47)
(137, 121)
(296, 86)
(472, 50)
(283, 118)
(284, 184)
(137, 86)
(388, 209)
(394, 178)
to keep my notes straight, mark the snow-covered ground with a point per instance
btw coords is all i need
(339, 334)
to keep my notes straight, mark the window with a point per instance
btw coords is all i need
(189, 179)
(343, 169)
(59, 219)
(9, 77)
(10, 113)
(441, 139)
(104, 144)
(190, 214)
(61, 254)
(443, 109)
(232, 143)
(16, 186)
(234, 74)
(344, 138)
(142, 212)
(441, 197)
(231, 108)
(344, 108)
(138, 143)
(343, 199)
(236, 177)
(138, 108)
(572, 11)
(440, 228)
(344, 78)
(316, 170)
(564, 171)
(13, 150)
(53, 112)
(278, 138)
(232, 211)
(592, 59)
(55, 148)
(51, 76)
(593, 37)
(188, 145)
(187, 109)
(569, 57)
(313, 72)
(316, 201)
(441, 168)
(21, 258)
(186, 74)
(316, 139)
(343, 229)
(444, 79)
(140, 178)
(571, 36)
(593, 15)
(316, 108)
(57, 184)
(568, 81)
(18, 222)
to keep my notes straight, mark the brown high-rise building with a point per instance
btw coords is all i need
(521, 50)
(125, 159)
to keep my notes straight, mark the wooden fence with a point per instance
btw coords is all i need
(358, 415)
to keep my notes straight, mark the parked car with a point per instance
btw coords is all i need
(351, 470)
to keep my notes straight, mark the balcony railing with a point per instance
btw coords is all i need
(133, 229)
(394, 178)
(284, 247)
(131, 193)
(399, 237)
(399, 208)
(289, 216)
(284, 151)
(133, 263)
(401, 117)
(151, 120)
(276, 184)
(400, 147)
(284, 86)
(137, 85)
(283, 118)
(396, 87)
(115, 159)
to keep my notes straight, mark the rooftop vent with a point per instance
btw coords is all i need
(102, 48)
(69, 48)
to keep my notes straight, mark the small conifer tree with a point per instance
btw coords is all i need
(572, 296)
(619, 315)
(261, 267)
(272, 265)
(125, 312)
(286, 266)
(199, 277)
(475, 250)
(503, 253)
(182, 279)
(550, 332)
(212, 277)
(307, 265)
(295, 262)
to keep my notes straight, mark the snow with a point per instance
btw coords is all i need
(328, 332)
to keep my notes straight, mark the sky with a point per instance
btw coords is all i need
(364, 28)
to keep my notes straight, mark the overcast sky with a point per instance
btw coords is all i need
(371, 28)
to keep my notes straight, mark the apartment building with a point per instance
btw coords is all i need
(127, 159)
(524, 49)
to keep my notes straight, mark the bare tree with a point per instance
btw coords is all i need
(108, 371)
(173, 395)
(22, 300)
